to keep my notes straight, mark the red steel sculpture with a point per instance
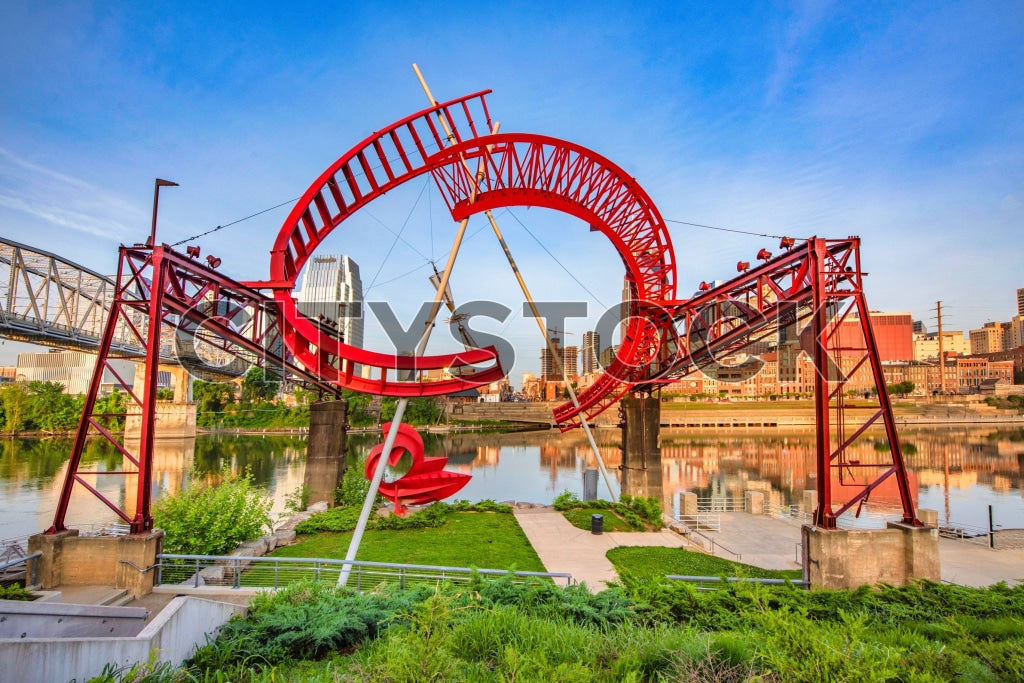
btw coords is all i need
(424, 482)
(804, 293)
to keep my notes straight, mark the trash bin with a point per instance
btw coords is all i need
(596, 524)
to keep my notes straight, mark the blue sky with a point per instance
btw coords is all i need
(899, 122)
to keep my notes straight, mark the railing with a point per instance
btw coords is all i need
(709, 521)
(273, 572)
(30, 567)
(998, 537)
(715, 544)
(789, 512)
(13, 548)
(103, 529)
(718, 581)
(720, 505)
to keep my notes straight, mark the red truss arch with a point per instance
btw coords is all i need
(516, 169)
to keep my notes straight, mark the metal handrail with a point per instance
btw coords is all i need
(403, 572)
(720, 546)
(701, 580)
(30, 566)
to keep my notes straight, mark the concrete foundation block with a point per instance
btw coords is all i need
(848, 559)
(928, 517)
(688, 504)
(120, 561)
(809, 502)
(753, 502)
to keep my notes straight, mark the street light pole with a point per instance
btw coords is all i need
(156, 201)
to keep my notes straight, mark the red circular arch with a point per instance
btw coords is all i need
(516, 169)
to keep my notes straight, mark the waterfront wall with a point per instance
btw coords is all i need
(173, 634)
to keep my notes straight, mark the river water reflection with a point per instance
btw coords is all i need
(957, 472)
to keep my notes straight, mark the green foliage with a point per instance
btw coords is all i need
(654, 562)
(354, 484)
(467, 539)
(638, 513)
(430, 517)
(15, 592)
(503, 630)
(212, 519)
(39, 406)
(259, 385)
(305, 621)
(111, 409)
(420, 411)
(297, 500)
(901, 388)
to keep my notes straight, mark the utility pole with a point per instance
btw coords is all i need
(942, 355)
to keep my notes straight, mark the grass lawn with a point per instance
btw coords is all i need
(580, 518)
(654, 561)
(485, 540)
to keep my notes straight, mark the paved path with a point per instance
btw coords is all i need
(759, 540)
(565, 548)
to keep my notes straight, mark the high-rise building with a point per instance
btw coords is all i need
(1015, 337)
(954, 343)
(627, 297)
(331, 290)
(569, 355)
(987, 339)
(1020, 301)
(591, 352)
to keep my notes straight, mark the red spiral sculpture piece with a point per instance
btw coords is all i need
(425, 482)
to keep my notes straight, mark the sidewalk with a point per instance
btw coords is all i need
(759, 540)
(564, 548)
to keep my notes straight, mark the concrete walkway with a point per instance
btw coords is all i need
(565, 548)
(759, 540)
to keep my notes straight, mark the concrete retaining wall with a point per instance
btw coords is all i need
(174, 634)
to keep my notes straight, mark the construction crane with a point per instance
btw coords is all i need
(458, 318)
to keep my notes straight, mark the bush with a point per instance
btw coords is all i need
(15, 592)
(639, 513)
(212, 519)
(342, 519)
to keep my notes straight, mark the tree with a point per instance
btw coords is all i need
(212, 519)
(901, 388)
(14, 398)
(211, 397)
(259, 385)
(50, 409)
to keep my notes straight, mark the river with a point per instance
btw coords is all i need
(957, 472)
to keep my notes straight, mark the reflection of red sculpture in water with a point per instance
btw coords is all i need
(425, 482)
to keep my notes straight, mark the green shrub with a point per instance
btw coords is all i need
(212, 519)
(342, 519)
(15, 592)
(639, 513)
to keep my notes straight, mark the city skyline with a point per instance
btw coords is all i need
(901, 124)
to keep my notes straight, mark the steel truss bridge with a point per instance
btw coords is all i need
(801, 300)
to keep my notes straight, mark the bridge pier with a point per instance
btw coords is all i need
(326, 454)
(641, 454)
(175, 419)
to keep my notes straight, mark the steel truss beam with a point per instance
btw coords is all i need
(805, 298)
(166, 299)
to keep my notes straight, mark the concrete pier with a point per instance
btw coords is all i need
(326, 453)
